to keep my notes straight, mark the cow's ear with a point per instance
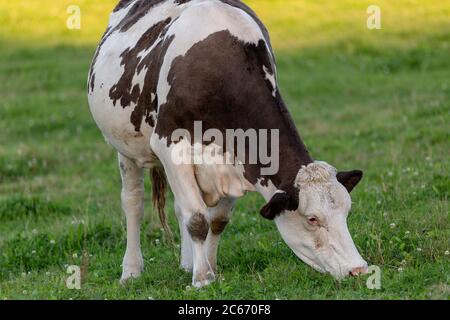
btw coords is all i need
(280, 202)
(349, 179)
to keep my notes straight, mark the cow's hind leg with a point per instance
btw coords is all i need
(132, 197)
(186, 241)
(219, 217)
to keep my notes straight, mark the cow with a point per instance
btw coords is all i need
(164, 65)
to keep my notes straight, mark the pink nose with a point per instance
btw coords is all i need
(358, 270)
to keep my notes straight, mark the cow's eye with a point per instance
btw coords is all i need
(313, 221)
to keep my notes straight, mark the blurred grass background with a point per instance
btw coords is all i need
(373, 99)
(293, 24)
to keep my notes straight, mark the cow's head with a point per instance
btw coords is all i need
(312, 219)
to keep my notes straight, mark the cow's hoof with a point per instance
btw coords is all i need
(132, 266)
(131, 271)
(129, 274)
(186, 267)
(203, 280)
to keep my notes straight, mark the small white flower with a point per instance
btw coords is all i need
(400, 269)
(419, 249)
(390, 173)
(33, 252)
(52, 241)
(188, 288)
(379, 202)
(75, 255)
(392, 225)
(152, 259)
(24, 291)
(446, 252)
(385, 214)
(157, 241)
(151, 298)
(407, 232)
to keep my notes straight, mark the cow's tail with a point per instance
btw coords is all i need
(159, 187)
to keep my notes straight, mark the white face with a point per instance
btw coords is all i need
(317, 231)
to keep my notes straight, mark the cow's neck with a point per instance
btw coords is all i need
(284, 180)
(292, 156)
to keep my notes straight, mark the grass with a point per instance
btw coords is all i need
(377, 100)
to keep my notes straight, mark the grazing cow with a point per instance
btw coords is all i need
(165, 65)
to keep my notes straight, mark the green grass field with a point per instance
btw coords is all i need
(378, 100)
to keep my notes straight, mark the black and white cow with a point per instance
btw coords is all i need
(163, 65)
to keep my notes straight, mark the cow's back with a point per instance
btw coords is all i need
(131, 77)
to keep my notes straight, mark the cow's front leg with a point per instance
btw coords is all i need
(219, 217)
(193, 210)
(198, 227)
(132, 197)
(194, 229)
